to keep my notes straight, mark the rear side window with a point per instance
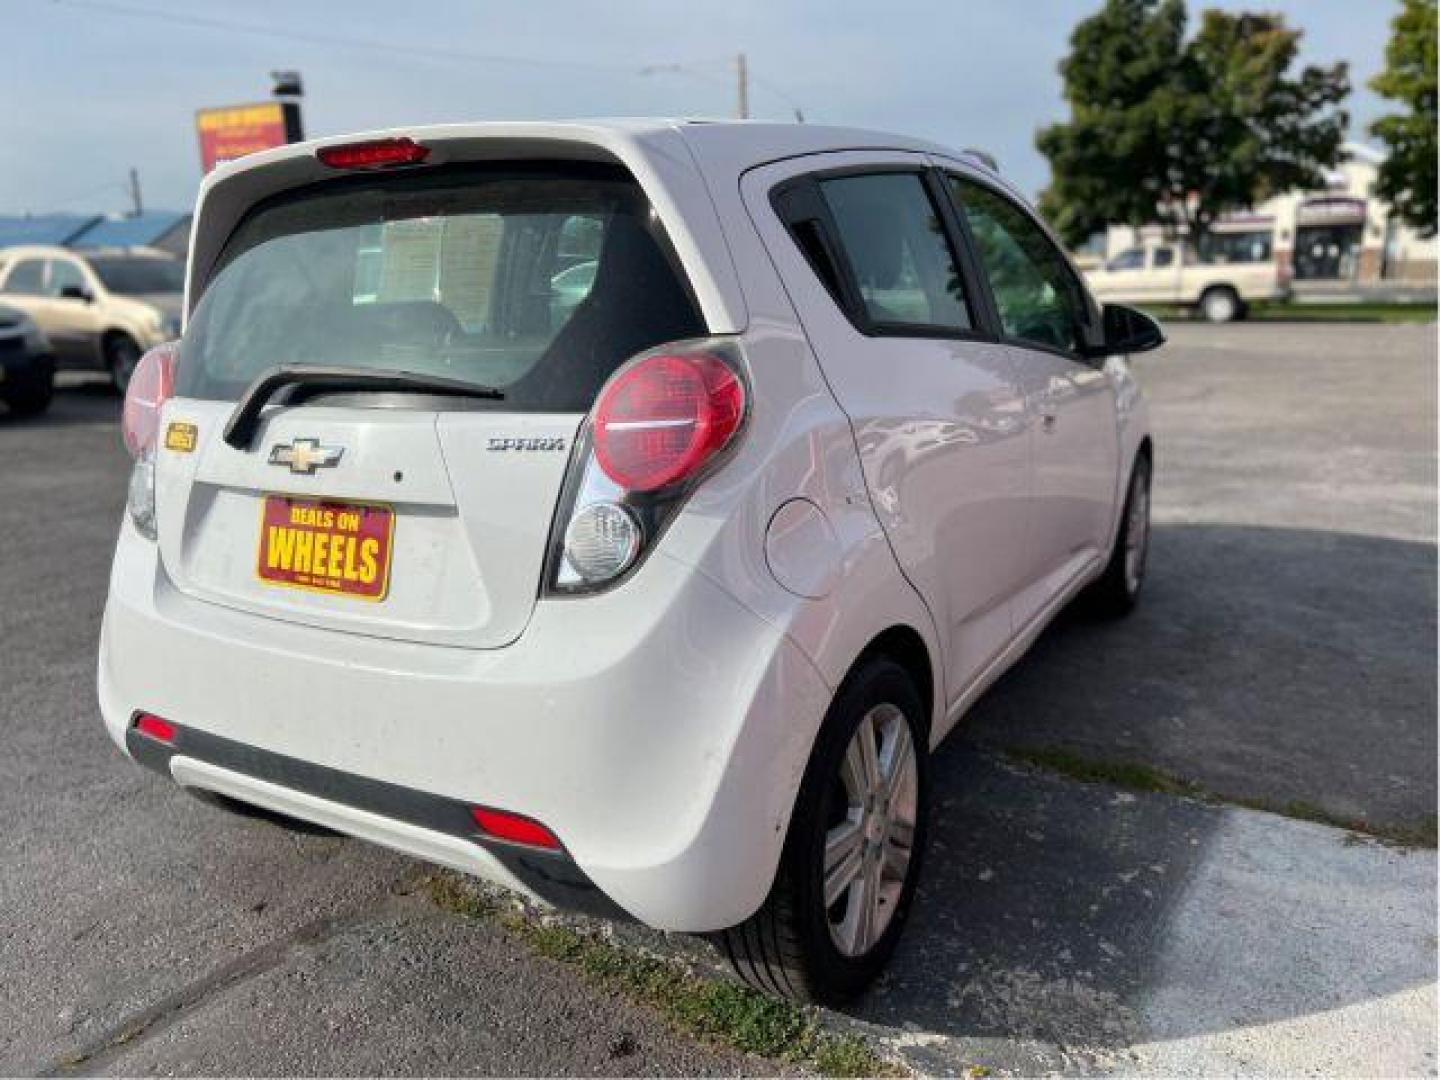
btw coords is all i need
(537, 282)
(1039, 299)
(132, 275)
(1164, 257)
(64, 274)
(1130, 259)
(898, 252)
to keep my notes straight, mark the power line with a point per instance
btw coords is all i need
(207, 22)
(391, 48)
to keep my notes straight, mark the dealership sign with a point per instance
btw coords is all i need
(233, 131)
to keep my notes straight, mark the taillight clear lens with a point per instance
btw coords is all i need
(140, 496)
(150, 387)
(663, 417)
(602, 541)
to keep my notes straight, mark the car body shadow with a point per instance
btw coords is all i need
(1274, 663)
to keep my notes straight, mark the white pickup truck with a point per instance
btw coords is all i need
(1171, 273)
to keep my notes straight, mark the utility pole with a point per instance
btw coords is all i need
(742, 73)
(135, 192)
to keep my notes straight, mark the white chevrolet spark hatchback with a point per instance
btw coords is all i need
(618, 511)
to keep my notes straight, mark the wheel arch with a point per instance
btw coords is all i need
(904, 645)
(113, 334)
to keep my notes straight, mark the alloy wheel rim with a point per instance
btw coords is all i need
(869, 845)
(1137, 535)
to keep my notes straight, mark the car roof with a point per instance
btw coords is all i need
(728, 145)
(666, 156)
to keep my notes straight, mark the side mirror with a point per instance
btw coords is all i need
(76, 292)
(1127, 331)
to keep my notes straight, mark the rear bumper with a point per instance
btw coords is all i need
(433, 826)
(659, 731)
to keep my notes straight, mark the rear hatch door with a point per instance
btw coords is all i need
(402, 513)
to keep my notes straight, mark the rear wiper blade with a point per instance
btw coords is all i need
(315, 379)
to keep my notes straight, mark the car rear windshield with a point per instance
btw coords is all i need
(537, 281)
(132, 275)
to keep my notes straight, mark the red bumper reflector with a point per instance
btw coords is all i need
(513, 827)
(375, 154)
(155, 727)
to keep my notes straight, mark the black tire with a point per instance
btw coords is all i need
(1117, 590)
(31, 397)
(787, 948)
(1221, 304)
(121, 357)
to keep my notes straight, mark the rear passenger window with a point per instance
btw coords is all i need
(896, 245)
(64, 274)
(1164, 257)
(1038, 297)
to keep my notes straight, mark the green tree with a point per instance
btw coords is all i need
(1408, 176)
(1180, 130)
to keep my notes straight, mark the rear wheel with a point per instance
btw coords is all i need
(122, 356)
(1220, 305)
(853, 853)
(1117, 590)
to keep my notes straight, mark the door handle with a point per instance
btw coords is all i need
(1047, 422)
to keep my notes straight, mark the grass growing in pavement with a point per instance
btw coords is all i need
(1137, 777)
(714, 1010)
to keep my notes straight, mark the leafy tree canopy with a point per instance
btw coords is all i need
(1180, 130)
(1408, 175)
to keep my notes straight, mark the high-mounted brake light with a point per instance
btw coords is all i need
(373, 154)
(513, 827)
(152, 384)
(663, 418)
(156, 728)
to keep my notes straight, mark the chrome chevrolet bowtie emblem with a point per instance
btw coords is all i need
(304, 456)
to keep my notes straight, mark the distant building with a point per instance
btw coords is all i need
(166, 230)
(1343, 238)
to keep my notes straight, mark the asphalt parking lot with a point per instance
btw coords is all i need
(1283, 659)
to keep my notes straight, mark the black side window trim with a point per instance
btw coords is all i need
(800, 195)
(1089, 328)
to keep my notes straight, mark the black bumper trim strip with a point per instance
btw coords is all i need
(551, 875)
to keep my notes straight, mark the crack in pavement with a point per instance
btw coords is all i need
(133, 1030)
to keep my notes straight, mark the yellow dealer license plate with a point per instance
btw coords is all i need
(326, 546)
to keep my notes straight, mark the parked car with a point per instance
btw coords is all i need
(27, 367)
(100, 309)
(652, 605)
(1172, 273)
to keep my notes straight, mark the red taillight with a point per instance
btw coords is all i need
(150, 387)
(155, 727)
(374, 154)
(513, 827)
(664, 417)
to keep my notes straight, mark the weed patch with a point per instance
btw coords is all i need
(714, 1010)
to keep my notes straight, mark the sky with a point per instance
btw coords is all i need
(92, 88)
